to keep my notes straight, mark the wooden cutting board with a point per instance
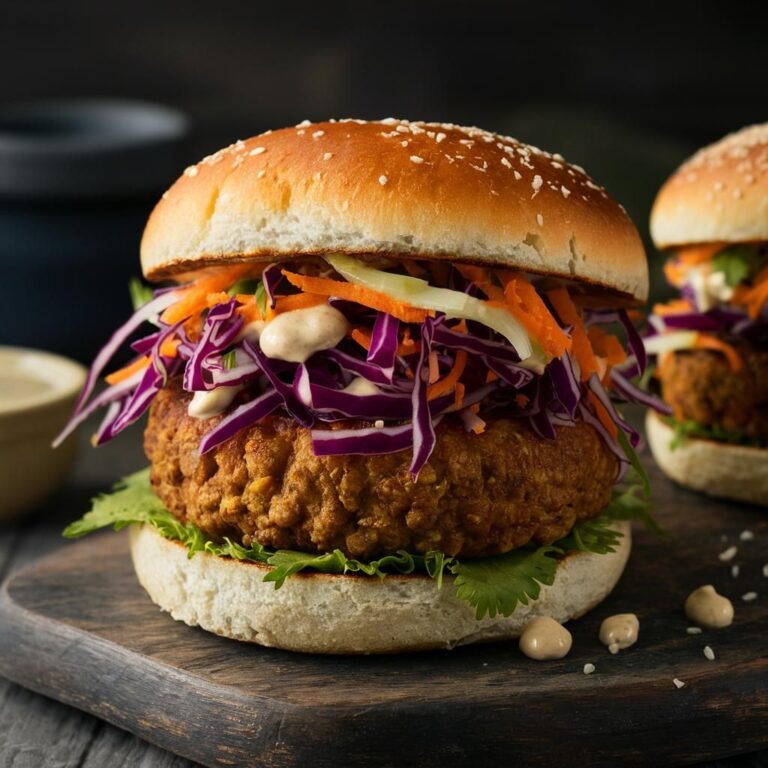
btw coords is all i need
(76, 626)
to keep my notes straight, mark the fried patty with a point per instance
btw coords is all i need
(700, 386)
(477, 495)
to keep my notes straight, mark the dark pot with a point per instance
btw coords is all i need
(77, 182)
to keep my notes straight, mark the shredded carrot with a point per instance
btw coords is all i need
(434, 367)
(297, 301)
(491, 376)
(357, 293)
(522, 400)
(414, 269)
(460, 327)
(677, 267)
(194, 297)
(582, 349)
(220, 297)
(674, 307)
(449, 381)
(249, 308)
(167, 349)
(483, 279)
(603, 415)
(606, 346)
(529, 309)
(128, 370)
(406, 347)
(707, 341)
(636, 315)
(474, 408)
(459, 394)
(753, 297)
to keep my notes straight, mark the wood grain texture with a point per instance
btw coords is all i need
(77, 627)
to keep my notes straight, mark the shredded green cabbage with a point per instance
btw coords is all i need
(455, 304)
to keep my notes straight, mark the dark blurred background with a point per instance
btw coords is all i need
(625, 89)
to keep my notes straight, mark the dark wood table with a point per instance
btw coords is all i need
(38, 732)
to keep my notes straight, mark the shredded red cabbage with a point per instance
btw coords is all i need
(314, 393)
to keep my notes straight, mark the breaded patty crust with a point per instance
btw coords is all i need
(477, 495)
(700, 386)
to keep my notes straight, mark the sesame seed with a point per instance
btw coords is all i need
(238, 161)
(737, 193)
(749, 597)
(303, 124)
(678, 683)
(318, 176)
(735, 571)
(539, 219)
(383, 179)
(327, 155)
(440, 137)
(379, 424)
(746, 535)
(402, 128)
(765, 570)
(613, 648)
(506, 162)
(416, 159)
(404, 143)
(518, 175)
(477, 167)
(467, 143)
(257, 151)
(261, 174)
(589, 668)
(693, 630)
(318, 134)
(301, 132)
(191, 171)
(709, 653)
(536, 185)
(430, 134)
(565, 191)
(727, 555)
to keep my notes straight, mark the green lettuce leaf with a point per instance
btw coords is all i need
(491, 585)
(686, 430)
(140, 293)
(737, 262)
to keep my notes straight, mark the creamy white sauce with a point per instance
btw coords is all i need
(361, 386)
(544, 639)
(206, 405)
(619, 631)
(295, 336)
(708, 609)
(709, 287)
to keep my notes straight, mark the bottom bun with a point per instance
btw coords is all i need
(325, 613)
(718, 469)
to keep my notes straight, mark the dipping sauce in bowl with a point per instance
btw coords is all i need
(37, 393)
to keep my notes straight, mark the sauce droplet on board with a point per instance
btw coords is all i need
(708, 609)
(619, 631)
(544, 639)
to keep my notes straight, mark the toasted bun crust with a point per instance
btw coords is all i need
(395, 188)
(321, 613)
(719, 469)
(718, 195)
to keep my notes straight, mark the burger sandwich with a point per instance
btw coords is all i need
(381, 373)
(711, 343)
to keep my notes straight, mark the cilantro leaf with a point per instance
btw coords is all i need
(496, 585)
(592, 536)
(685, 430)
(140, 293)
(245, 285)
(737, 262)
(635, 462)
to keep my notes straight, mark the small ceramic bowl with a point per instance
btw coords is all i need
(37, 393)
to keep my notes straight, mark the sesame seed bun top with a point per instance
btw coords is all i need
(395, 188)
(718, 195)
